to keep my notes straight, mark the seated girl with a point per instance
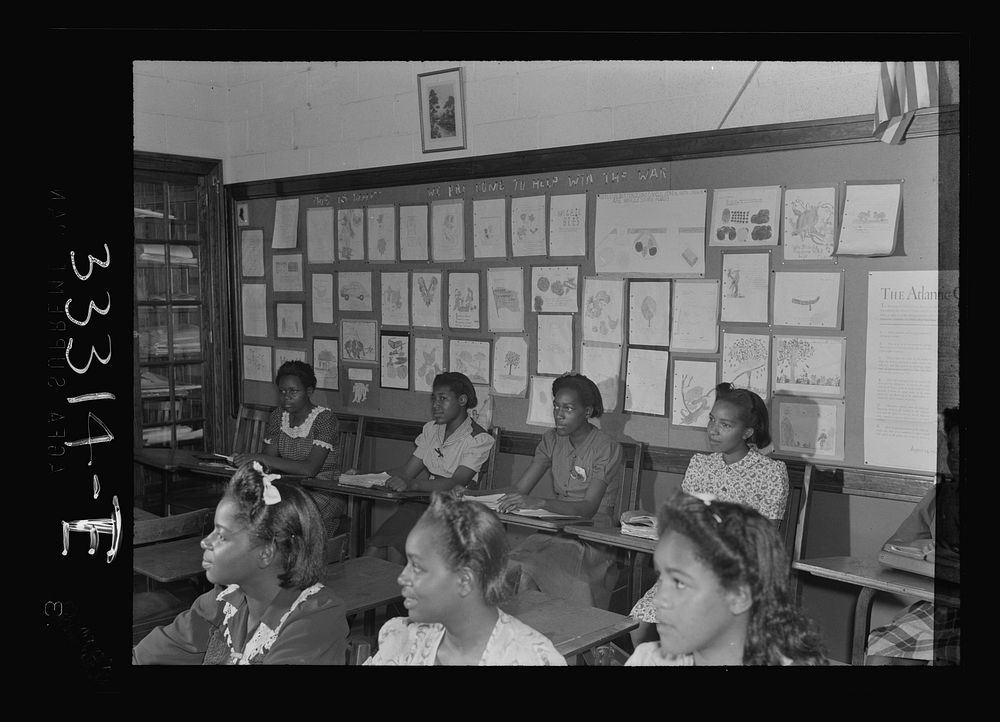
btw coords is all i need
(723, 595)
(303, 439)
(586, 475)
(451, 449)
(452, 583)
(265, 556)
(735, 471)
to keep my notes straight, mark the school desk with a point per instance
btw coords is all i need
(364, 584)
(572, 628)
(169, 561)
(612, 536)
(359, 507)
(531, 522)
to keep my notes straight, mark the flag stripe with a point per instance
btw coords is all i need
(903, 87)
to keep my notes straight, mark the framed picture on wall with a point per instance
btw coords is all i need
(441, 95)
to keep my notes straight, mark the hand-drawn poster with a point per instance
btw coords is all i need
(646, 381)
(651, 233)
(426, 303)
(901, 369)
(471, 358)
(413, 233)
(810, 223)
(510, 366)
(395, 299)
(281, 355)
(252, 251)
(483, 413)
(319, 235)
(395, 360)
(489, 230)
(428, 362)
(809, 427)
(286, 223)
(527, 226)
(326, 363)
(745, 358)
(242, 214)
(286, 273)
(540, 402)
(602, 310)
(359, 340)
(649, 313)
(463, 300)
(448, 231)
(744, 287)
(322, 298)
(808, 299)
(554, 289)
(693, 392)
(254, 300)
(695, 325)
(745, 216)
(257, 363)
(602, 365)
(868, 226)
(809, 365)
(351, 234)
(354, 291)
(568, 225)
(505, 298)
(382, 234)
(555, 344)
(359, 390)
(289, 320)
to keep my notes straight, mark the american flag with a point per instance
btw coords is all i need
(902, 88)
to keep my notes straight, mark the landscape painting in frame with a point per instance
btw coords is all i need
(442, 110)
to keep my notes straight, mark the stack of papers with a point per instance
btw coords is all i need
(368, 481)
(641, 526)
(491, 500)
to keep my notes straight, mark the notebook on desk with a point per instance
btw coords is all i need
(491, 500)
(912, 559)
(367, 481)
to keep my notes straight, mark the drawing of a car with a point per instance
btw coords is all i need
(354, 289)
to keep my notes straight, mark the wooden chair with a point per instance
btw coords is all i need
(351, 430)
(251, 424)
(153, 608)
(628, 493)
(487, 475)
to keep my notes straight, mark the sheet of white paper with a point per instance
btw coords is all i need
(745, 278)
(319, 235)
(288, 319)
(649, 313)
(471, 358)
(322, 298)
(809, 230)
(463, 300)
(602, 365)
(602, 310)
(413, 233)
(252, 252)
(693, 392)
(257, 363)
(809, 365)
(807, 299)
(868, 226)
(745, 216)
(483, 413)
(555, 344)
(351, 234)
(281, 355)
(448, 231)
(489, 230)
(554, 289)
(813, 428)
(568, 225)
(505, 298)
(354, 291)
(326, 363)
(745, 358)
(901, 360)
(286, 223)
(395, 361)
(651, 233)
(395, 299)
(540, 402)
(695, 324)
(426, 305)
(356, 374)
(646, 381)
(254, 304)
(527, 226)
(382, 234)
(286, 272)
(510, 365)
(428, 362)
(366, 480)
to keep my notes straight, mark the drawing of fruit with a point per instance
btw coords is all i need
(538, 304)
(760, 233)
(543, 284)
(761, 216)
(557, 288)
(725, 216)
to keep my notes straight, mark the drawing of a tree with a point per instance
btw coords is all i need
(794, 352)
(511, 361)
(747, 350)
(446, 121)
(648, 310)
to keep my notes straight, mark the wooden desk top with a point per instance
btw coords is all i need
(534, 522)
(868, 572)
(573, 629)
(364, 583)
(176, 459)
(363, 492)
(169, 561)
(612, 536)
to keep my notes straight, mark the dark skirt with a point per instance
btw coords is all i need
(332, 508)
(568, 568)
(397, 527)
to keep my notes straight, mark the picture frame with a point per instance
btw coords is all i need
(441, 99)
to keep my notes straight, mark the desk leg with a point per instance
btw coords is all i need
(352, 540)
(164, 484)
(862, 619)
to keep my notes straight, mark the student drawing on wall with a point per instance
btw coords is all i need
(360, 389)
(733, 282)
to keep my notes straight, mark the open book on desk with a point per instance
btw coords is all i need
(368, 481)
(215, 460)
(491, 500)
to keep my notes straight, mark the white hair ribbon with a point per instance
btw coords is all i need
(707, 499)
(271, 493)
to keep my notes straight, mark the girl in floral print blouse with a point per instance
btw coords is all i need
(265, 556)
(736, 471)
